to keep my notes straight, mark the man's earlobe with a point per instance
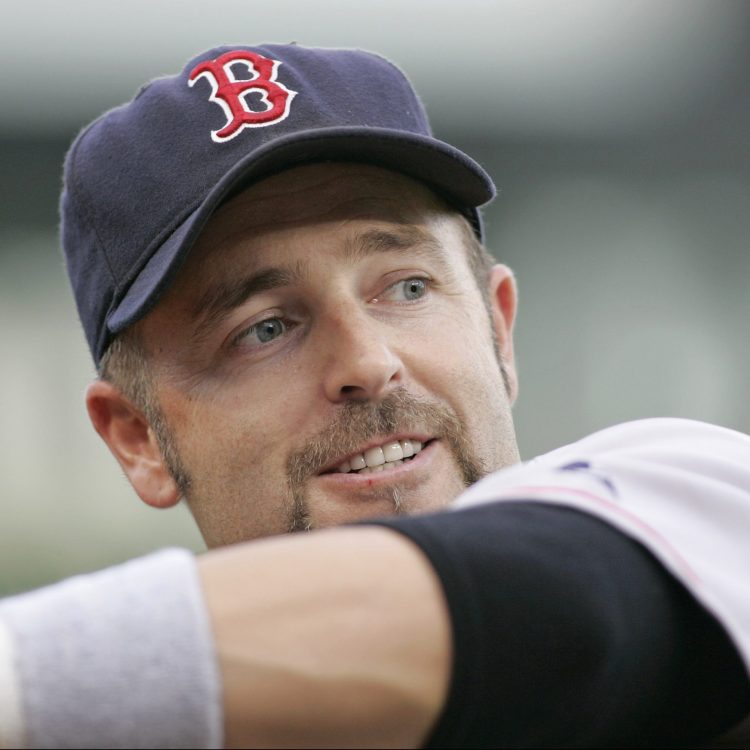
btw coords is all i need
(504, 303)
(127, 433)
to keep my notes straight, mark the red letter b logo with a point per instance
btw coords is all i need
(230, 93)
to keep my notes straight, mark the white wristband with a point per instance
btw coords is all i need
(123, 658)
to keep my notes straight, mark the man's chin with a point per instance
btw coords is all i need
(381, 504)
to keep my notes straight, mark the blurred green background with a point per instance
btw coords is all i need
(616, 130)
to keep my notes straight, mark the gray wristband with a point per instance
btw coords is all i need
(123, 658)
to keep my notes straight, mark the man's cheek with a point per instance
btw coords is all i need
(258, 442)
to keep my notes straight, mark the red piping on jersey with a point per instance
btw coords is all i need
(687, 571)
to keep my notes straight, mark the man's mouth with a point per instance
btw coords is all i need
(379, 458)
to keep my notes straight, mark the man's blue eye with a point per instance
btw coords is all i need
(267, 330)
(414, 288)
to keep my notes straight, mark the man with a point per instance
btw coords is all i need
(280, 275)
(267, 263)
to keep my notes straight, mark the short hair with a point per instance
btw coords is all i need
(125, 364)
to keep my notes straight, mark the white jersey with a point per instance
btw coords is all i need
(679, 487)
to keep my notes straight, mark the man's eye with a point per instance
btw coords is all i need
(410, 289)
(265, 331)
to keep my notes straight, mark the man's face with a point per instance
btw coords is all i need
(324, 313)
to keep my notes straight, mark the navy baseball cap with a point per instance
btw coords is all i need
(141, 181)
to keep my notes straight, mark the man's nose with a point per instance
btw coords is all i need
(361, 363)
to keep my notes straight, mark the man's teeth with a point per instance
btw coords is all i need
(381, 456)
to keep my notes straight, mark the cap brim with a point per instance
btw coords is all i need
(445, 169)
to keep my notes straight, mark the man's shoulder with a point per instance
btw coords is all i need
(679, 487)
(706, 451)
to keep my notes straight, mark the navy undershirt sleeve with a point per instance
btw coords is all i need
(567, 633)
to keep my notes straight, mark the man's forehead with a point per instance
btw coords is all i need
(305, 184)
(316, 199)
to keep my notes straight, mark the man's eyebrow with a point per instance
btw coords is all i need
(411, 238)
(220, 299)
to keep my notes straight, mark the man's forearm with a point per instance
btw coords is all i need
(338, 639)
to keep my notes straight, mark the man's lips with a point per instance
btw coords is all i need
(379, 452)
(404, 470)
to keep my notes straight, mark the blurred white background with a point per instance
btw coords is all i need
(616, 130)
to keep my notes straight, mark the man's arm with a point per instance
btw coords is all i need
(337, 639)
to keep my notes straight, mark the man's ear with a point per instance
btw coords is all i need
(503, 303)
(125, 429)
